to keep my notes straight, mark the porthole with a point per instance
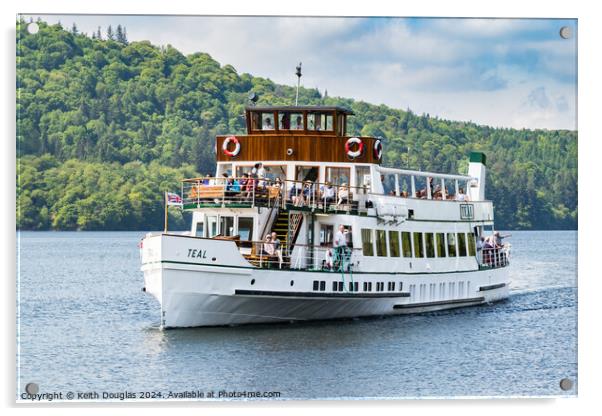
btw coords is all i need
(252, 281)
(292, 282)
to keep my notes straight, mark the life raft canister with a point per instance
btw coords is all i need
(227, 142)
(378, 149)
(360, 147)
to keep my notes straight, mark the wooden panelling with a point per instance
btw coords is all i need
(315, 148)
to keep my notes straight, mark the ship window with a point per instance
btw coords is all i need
(351, 286)
(320, 122)
(381, 243)
(340, 286)
(306, 173)
(462, 244)
(226, 226)
(365, 286)
(326, 233)
(322, 286)
(337, 176)
(290, 121)
(334, 286)
(440, 245)
(367, 247)
(255, 125)
(341, 124)
(241, 170)
(400, 286)
(267, 121)
(394, 243)
(369, 286)
(418, 248)
(430, 244)
(200, 228)
(472, 250)
(406, 244)
(211, 226)
(362, 177)
(275, 171)
(316, 285)
(245, 228)
(451, 244)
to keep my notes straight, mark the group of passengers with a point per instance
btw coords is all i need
(436, 192)
(327, 194)
(491, 247)
(272, 249)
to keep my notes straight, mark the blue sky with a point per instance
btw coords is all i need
(500, 72)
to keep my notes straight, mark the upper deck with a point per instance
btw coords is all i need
(298, 133)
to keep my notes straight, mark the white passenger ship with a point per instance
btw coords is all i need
(409, 240)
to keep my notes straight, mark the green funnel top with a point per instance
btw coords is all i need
(478, 157)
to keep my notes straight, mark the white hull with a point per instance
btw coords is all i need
(218, 287)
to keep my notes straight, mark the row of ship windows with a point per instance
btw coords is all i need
(339, 286)
(418, 244)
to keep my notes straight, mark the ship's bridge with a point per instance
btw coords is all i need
(300, 143)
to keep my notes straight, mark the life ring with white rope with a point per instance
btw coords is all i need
(354, 153)
(227, 142)
(378, 149)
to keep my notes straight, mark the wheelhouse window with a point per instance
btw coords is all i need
(290, 121)
(462, 244)
(430, 244)
(440, 245)
(307, 173)
(367, 246)
(451, 244)
(418, 248)
(320, 121)
(406, 244)
(267, 121)
(381, 243)
(394, 243)
(341, 124)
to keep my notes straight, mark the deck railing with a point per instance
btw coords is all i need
(251, 192)
(302, 257)
(494, 257)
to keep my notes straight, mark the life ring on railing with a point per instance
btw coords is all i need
(227, 142)
(378, 149)
(360, 147)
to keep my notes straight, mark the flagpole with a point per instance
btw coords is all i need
(165, 196)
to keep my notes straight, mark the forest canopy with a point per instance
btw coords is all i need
(105, 125)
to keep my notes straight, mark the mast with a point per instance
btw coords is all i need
(298, 73)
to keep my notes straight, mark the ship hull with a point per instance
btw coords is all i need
(193, 294)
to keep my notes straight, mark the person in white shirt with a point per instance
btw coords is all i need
(461, 196)
(267, 124)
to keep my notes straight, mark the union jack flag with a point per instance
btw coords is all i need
(173, 199)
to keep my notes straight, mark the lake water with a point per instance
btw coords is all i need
(86, 326)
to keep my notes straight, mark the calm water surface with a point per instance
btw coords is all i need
(86, 326)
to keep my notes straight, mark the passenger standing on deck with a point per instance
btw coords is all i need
(340, 245)
(277, 248)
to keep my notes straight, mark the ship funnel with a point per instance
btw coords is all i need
(477, 170)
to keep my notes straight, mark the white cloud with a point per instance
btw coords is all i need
(482, 70)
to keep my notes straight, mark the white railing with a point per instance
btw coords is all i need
(304, 257)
